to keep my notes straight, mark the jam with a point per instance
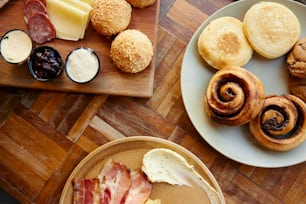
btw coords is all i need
(45, 63)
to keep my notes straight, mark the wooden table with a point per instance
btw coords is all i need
(44, 134)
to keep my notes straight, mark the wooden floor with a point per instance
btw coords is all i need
(43, 134)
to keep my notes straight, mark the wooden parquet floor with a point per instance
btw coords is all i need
(43, 134)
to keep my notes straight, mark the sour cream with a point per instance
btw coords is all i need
(165, 165)
(82, 65)
(16, 46)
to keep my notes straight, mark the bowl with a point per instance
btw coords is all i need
(45, 63)
(16, 46)
(82, 65)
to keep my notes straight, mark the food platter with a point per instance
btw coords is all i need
(130, 151)
(109, 80)
(236, 142)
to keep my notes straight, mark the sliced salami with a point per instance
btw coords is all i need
(42, 1)
(41, 28)
(32, 7)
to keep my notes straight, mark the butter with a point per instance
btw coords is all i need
(16, 46)
(165, 165)
(82, 65)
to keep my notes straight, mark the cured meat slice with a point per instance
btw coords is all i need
(140, 188)
(85, 191)
(115, 181)
(42, 1)
(40, 28)
(31, 7)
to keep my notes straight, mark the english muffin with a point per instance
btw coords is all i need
(223, 43)
(131, 51)
(271, 28)
(141, 3)
(109, 17)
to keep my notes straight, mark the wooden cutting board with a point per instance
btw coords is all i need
(109, 80)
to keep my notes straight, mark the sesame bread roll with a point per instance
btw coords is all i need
(131, 51)
(109, 17)
(141, 3)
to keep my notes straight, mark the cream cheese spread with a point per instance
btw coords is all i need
(165, 165)
(16, 46)
(82, 65)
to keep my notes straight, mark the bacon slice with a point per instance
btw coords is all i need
(140, 188)
(115, 181)
(85, 191)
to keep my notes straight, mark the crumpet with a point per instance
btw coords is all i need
(223, 43)
(271, 28)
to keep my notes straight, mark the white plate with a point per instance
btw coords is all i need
(236, 142)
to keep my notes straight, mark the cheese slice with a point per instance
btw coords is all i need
(82, 6)
(68, 21)
(90, 2)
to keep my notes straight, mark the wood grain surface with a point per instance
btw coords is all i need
(45, 134)
(110, 80)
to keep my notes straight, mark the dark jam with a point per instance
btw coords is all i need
(45, 63)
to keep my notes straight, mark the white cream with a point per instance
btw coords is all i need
(16, 46)
(82, 65)
(165, 165)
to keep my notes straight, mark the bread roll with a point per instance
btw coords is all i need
(271, 28)
(141, 3)
(223, 43)
(131, 51)
(109, 17)
(281, 125)
(234, 96)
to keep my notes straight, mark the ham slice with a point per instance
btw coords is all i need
(140, 188)
(85, 191)
(115, 181)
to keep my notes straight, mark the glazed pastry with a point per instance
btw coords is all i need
(234, 96)
(281, 125)
(297, 59)
(297, 87)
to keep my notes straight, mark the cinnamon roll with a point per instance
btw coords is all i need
(234, 96)
(281, 125)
